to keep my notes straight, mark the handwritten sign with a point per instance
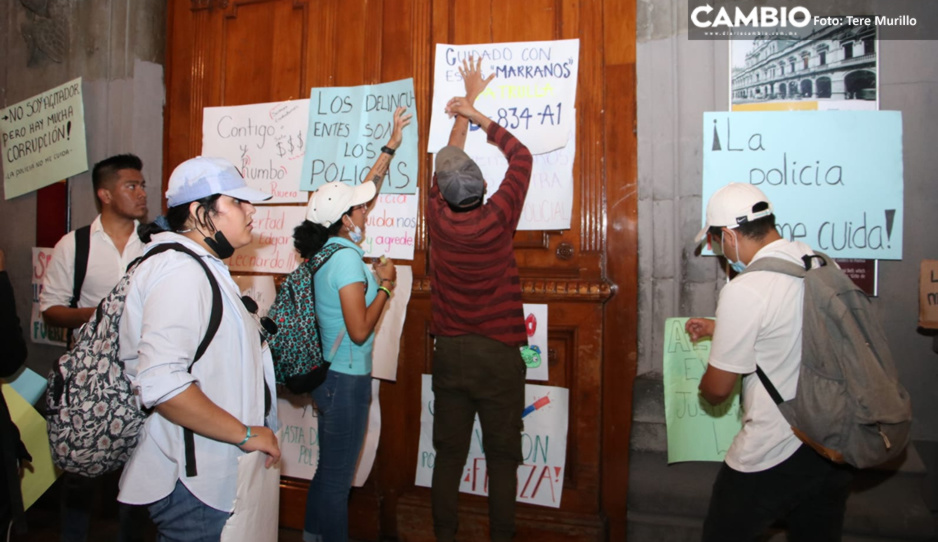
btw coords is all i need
(834, 177)
(43, 139)
(697, 430)
(533, 94)
(271, 249)
(299, 444)
(535, 324)
(39, 332)
(391, 226)
(347, 128)
(265, 141)
(543, 447)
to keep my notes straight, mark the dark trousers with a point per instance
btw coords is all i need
(79, 495)
(807, 490)
(474, 374)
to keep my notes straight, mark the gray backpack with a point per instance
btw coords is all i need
(850, 406)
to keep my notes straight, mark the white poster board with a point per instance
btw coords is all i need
(543, 447)
(271, 249)
(42, 139)
(265, 141)
(533, 94)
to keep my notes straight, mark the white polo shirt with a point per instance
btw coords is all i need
(758, 321)
(106, 266)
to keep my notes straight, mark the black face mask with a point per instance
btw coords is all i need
(220, 245)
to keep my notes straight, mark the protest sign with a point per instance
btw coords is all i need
(266, 142)
(391, 226)
(834, 177)
(533, 94)
(549, 202)
(271, 249)
(347, 128)
(697, 430)
(43, 139)
(543, 447)
(39, 332)
(299, 444)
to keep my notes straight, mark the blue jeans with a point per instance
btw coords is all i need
(342, 403)
(181, 517)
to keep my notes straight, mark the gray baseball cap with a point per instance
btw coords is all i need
(459, 177)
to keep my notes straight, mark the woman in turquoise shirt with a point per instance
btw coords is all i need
(349, 301)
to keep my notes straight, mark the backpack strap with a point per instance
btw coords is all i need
(82, 248)
(321, 257)
(769, 387)
(213, 322)
(778, 265)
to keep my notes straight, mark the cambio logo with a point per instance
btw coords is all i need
(757, 17)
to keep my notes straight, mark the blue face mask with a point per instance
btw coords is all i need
(736, 265)
(356, 235)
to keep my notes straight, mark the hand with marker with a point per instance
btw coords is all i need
(385, 271)
(700, 328)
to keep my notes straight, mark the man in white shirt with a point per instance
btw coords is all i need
(121, 196)
(768, 473)
(119, 189)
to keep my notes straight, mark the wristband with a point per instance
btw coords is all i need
(246, 437)
(385, 290)
(387, 150)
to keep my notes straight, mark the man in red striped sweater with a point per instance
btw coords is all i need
(477, 317)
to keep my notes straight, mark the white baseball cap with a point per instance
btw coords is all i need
(332, 200)
(203, 176)
(733, 205)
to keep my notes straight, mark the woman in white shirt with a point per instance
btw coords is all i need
(225, 398)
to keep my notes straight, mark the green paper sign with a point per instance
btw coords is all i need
(697, 430)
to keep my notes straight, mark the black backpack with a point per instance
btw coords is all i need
(92, 413)
(850, 405)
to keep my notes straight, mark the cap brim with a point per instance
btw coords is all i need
(701, 235)
(246, 193)
(363, 193)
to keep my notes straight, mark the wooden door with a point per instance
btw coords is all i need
(233, 52)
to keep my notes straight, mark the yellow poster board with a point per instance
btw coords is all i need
(40, 473)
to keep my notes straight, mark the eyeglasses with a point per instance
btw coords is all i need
(363, 207)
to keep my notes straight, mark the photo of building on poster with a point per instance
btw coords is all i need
(833, 67)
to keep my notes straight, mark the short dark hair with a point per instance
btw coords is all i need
(106, 170)
(755, 230)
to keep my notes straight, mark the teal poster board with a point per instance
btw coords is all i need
(834, 177)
